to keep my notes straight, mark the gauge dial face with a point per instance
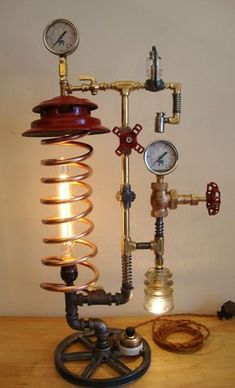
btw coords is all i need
(61, 37)
(161, 157)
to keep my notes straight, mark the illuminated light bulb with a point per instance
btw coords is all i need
(66, 228)
(158, 291)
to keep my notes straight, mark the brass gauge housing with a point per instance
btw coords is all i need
(61, 37)
(161, 157)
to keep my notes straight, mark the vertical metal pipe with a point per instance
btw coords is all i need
(63, 74)
(125, 108)
(159, 238)
(125, 176)
(125, 212)
(125, 247)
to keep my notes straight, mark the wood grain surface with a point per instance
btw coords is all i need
(27, 345)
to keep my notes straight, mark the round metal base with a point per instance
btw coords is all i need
(96, 358)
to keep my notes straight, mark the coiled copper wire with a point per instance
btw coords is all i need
(78, 180)
(197, 331)
(163, 327)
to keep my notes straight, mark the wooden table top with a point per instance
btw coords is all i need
(27, 349)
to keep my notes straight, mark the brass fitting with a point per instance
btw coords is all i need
(175, 119)
(128, 246)
(157, 246)
(63, 74)
(184, 199)
(159, 199)
(190, 199)
(162, 199)
(173, 199)
(176, 87)
(90, 84)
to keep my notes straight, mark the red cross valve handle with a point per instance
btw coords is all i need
(128, 140)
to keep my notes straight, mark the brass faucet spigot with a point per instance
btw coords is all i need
(162, 199)
(90, 84)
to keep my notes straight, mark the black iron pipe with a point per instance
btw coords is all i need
(96, 297)
(73, 320)
(143, 245)
(101, 297)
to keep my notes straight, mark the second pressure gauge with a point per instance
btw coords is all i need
(61, 37)
(161, 157)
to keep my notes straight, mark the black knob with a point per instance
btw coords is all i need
(130, 331)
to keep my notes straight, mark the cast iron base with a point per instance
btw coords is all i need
(96, 358)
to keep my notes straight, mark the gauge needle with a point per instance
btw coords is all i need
(159, 159)
(60, 37)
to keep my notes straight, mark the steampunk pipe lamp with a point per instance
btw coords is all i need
(64, 121)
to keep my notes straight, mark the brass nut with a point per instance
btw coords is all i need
(159, 213)
(173, 199)
(159, 186)
(194, 199)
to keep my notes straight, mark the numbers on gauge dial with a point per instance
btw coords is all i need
(61, 37)
(161, 157)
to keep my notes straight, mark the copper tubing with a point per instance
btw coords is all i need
(76, 239)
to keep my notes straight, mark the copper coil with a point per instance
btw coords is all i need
(77, 180)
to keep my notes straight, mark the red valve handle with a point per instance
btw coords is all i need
(213, 200)
(128, 140)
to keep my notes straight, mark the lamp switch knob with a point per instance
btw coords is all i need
(130, 332)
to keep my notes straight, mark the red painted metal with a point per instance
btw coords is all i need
(65, 115)
(213, 199)
(128, 140)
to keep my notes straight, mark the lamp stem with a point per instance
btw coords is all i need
(125, 183)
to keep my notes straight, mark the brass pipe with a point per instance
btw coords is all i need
(125, 170)
(175, 86)
(125, 178)
(89, 83)
(125, 212)
(190, 199)
(63, 74)
(125, 108)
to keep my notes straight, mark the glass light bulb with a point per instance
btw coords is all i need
(158, 291)
(65, 208)
(65, 211)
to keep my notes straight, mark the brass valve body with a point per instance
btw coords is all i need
(162, 199)
(159, 199)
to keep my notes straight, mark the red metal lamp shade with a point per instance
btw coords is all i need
(65, 115)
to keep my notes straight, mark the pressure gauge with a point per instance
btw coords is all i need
(161, 157)
(61, 37)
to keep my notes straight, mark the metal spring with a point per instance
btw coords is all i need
(127, 270)
(60, 261)
(159, 227)
(176, 102)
